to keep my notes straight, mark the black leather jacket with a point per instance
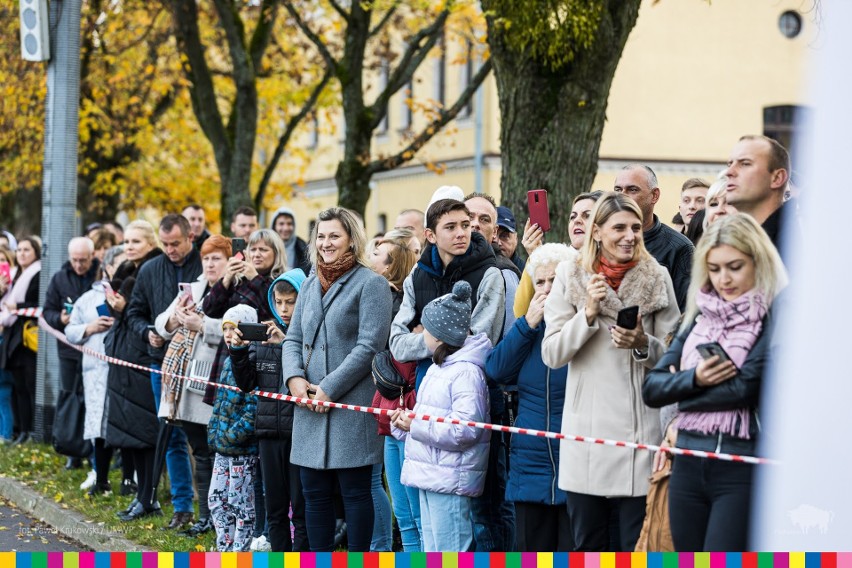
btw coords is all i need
(662, 388)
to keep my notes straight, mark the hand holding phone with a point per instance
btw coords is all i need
(185, 291)
(537, 206)
(238, 245)
(6, 270)
(722, 369)
(628, 318)
(253, 331)
(103, 310)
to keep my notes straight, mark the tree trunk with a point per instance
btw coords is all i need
(552, 121)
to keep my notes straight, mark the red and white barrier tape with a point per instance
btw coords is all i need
(385, 412)
(27, 313)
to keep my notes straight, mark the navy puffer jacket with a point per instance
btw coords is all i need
(534, 462)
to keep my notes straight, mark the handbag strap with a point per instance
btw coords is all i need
(310, 347)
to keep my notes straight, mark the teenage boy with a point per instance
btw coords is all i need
(452, 253)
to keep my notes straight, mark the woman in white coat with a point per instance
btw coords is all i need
(603, 398)
(88, 327)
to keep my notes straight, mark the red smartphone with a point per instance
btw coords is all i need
(6, 270)
(537, 206)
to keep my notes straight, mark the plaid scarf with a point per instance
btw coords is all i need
(176, 362)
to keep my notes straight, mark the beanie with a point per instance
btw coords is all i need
(448, 318)
(446, 192)
(241, 313)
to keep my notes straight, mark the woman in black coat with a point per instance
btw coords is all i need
(132, 423)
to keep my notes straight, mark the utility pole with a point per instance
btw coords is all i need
(59, 185)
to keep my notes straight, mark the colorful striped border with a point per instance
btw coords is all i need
(423, 560)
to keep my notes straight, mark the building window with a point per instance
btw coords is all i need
(384, 73)
(782, 123)
(382, 223)
(440, 80)
(465, 79)
(790, 24)
(313, 137)
(406, 114)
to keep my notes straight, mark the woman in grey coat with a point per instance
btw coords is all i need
(342, 319)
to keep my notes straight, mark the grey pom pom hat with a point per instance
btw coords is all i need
(448, 318)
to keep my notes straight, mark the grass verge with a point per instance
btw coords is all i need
(42, 469)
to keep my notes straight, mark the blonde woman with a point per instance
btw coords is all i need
(737, 273)
(608, 366)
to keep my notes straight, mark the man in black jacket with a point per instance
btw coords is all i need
(758, 177)
(194, 213)
(156, 287)
(74, 279)
(667, 246)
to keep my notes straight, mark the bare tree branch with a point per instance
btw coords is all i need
(263, 31)
(315, 39)
(339, 9)
(385, 19)
(433, 127)
(285, 137)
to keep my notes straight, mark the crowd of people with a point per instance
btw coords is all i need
(628, 330)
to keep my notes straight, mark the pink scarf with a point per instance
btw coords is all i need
(18, 293)
(735, 326)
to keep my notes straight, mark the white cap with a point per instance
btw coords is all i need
(446, 192)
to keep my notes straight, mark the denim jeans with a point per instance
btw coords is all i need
(446, 521)
(710, 504)
(7, 416)
(382, 529)
(405, 500)
(177, 458)
(318, 486)
(493, 516)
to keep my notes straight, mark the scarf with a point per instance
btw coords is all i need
(176, 362)
(614, 273)
(735, 326)
(18, 292)
(329, 273)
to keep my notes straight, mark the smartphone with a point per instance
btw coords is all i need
(68, 307)
(153, 328)
(185, 289)
(707, 350)
(103, 310)
(253, 331)
(628, 318)
(238, 245)
(6, 270)
(537, 206)
(107, 287)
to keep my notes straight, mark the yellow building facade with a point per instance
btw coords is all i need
(693, 78)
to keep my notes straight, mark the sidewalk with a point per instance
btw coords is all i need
(32, 476)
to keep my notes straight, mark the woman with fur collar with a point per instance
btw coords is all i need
(603, 398)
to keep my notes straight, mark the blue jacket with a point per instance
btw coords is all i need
(231, 428)
(534, 462)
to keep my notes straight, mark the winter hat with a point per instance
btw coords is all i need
(241, 313)
(446, 192)
(448, 318)
(295, 277)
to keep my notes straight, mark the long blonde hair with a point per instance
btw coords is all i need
(741, 232)
(608, 205)
(273, 241)
(353, 227)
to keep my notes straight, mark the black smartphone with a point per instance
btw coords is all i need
(238, 245)
(707, 350)
(628, 318)
(253, 331)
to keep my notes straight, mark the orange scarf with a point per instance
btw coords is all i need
(329, 273)
(614, 273)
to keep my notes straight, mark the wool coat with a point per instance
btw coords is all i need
(603, 398)
(95, 371)
(351, 323)
(191, 407)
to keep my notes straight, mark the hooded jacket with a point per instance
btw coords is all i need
(430, 280)
(295, 247)
(448, 458)
(259, 366)
(231, 429)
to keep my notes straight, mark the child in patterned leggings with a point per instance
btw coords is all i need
(230, 434)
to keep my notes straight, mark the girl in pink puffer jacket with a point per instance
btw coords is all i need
(448, 462)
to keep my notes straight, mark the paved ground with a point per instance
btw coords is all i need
(20, 532)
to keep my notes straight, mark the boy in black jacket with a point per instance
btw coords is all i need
(259, 367)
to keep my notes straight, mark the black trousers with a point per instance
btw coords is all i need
(196, 435)
(543, 528)
(143, 460)
(710, 504)
(356, 489)
(283, 488)
(23, 371)
(591, 516)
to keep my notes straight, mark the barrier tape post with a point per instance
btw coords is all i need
(31, 312)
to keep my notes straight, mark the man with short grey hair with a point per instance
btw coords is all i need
(415, 221)
(73, 279)
(667, 246)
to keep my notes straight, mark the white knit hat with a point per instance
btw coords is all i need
(241, 313)
(446, 192)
